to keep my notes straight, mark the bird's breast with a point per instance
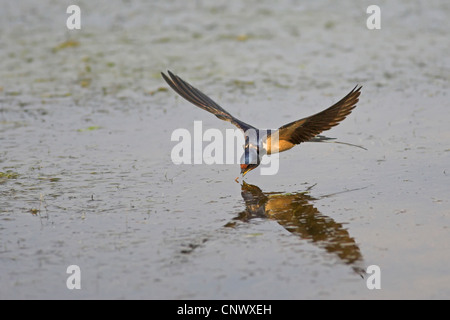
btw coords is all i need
(275, 145)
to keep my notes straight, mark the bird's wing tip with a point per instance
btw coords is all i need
(171, 74)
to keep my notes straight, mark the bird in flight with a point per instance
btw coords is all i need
(260, 142)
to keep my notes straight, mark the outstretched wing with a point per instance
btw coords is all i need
(201, 100)
(307, 128)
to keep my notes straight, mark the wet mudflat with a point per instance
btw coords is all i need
(86, 176)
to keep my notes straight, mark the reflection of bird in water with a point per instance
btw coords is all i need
(297, 215)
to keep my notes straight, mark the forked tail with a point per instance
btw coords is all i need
(320, 138)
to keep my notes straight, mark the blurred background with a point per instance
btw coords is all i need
(86, 176)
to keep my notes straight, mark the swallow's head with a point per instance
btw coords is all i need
(247, 167)
(249, 161)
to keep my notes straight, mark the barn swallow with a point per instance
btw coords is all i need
(259, 142)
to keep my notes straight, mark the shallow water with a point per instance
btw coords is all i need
(87, 178)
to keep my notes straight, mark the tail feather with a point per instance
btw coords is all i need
(320, 138)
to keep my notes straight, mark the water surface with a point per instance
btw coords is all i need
(87, 179)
